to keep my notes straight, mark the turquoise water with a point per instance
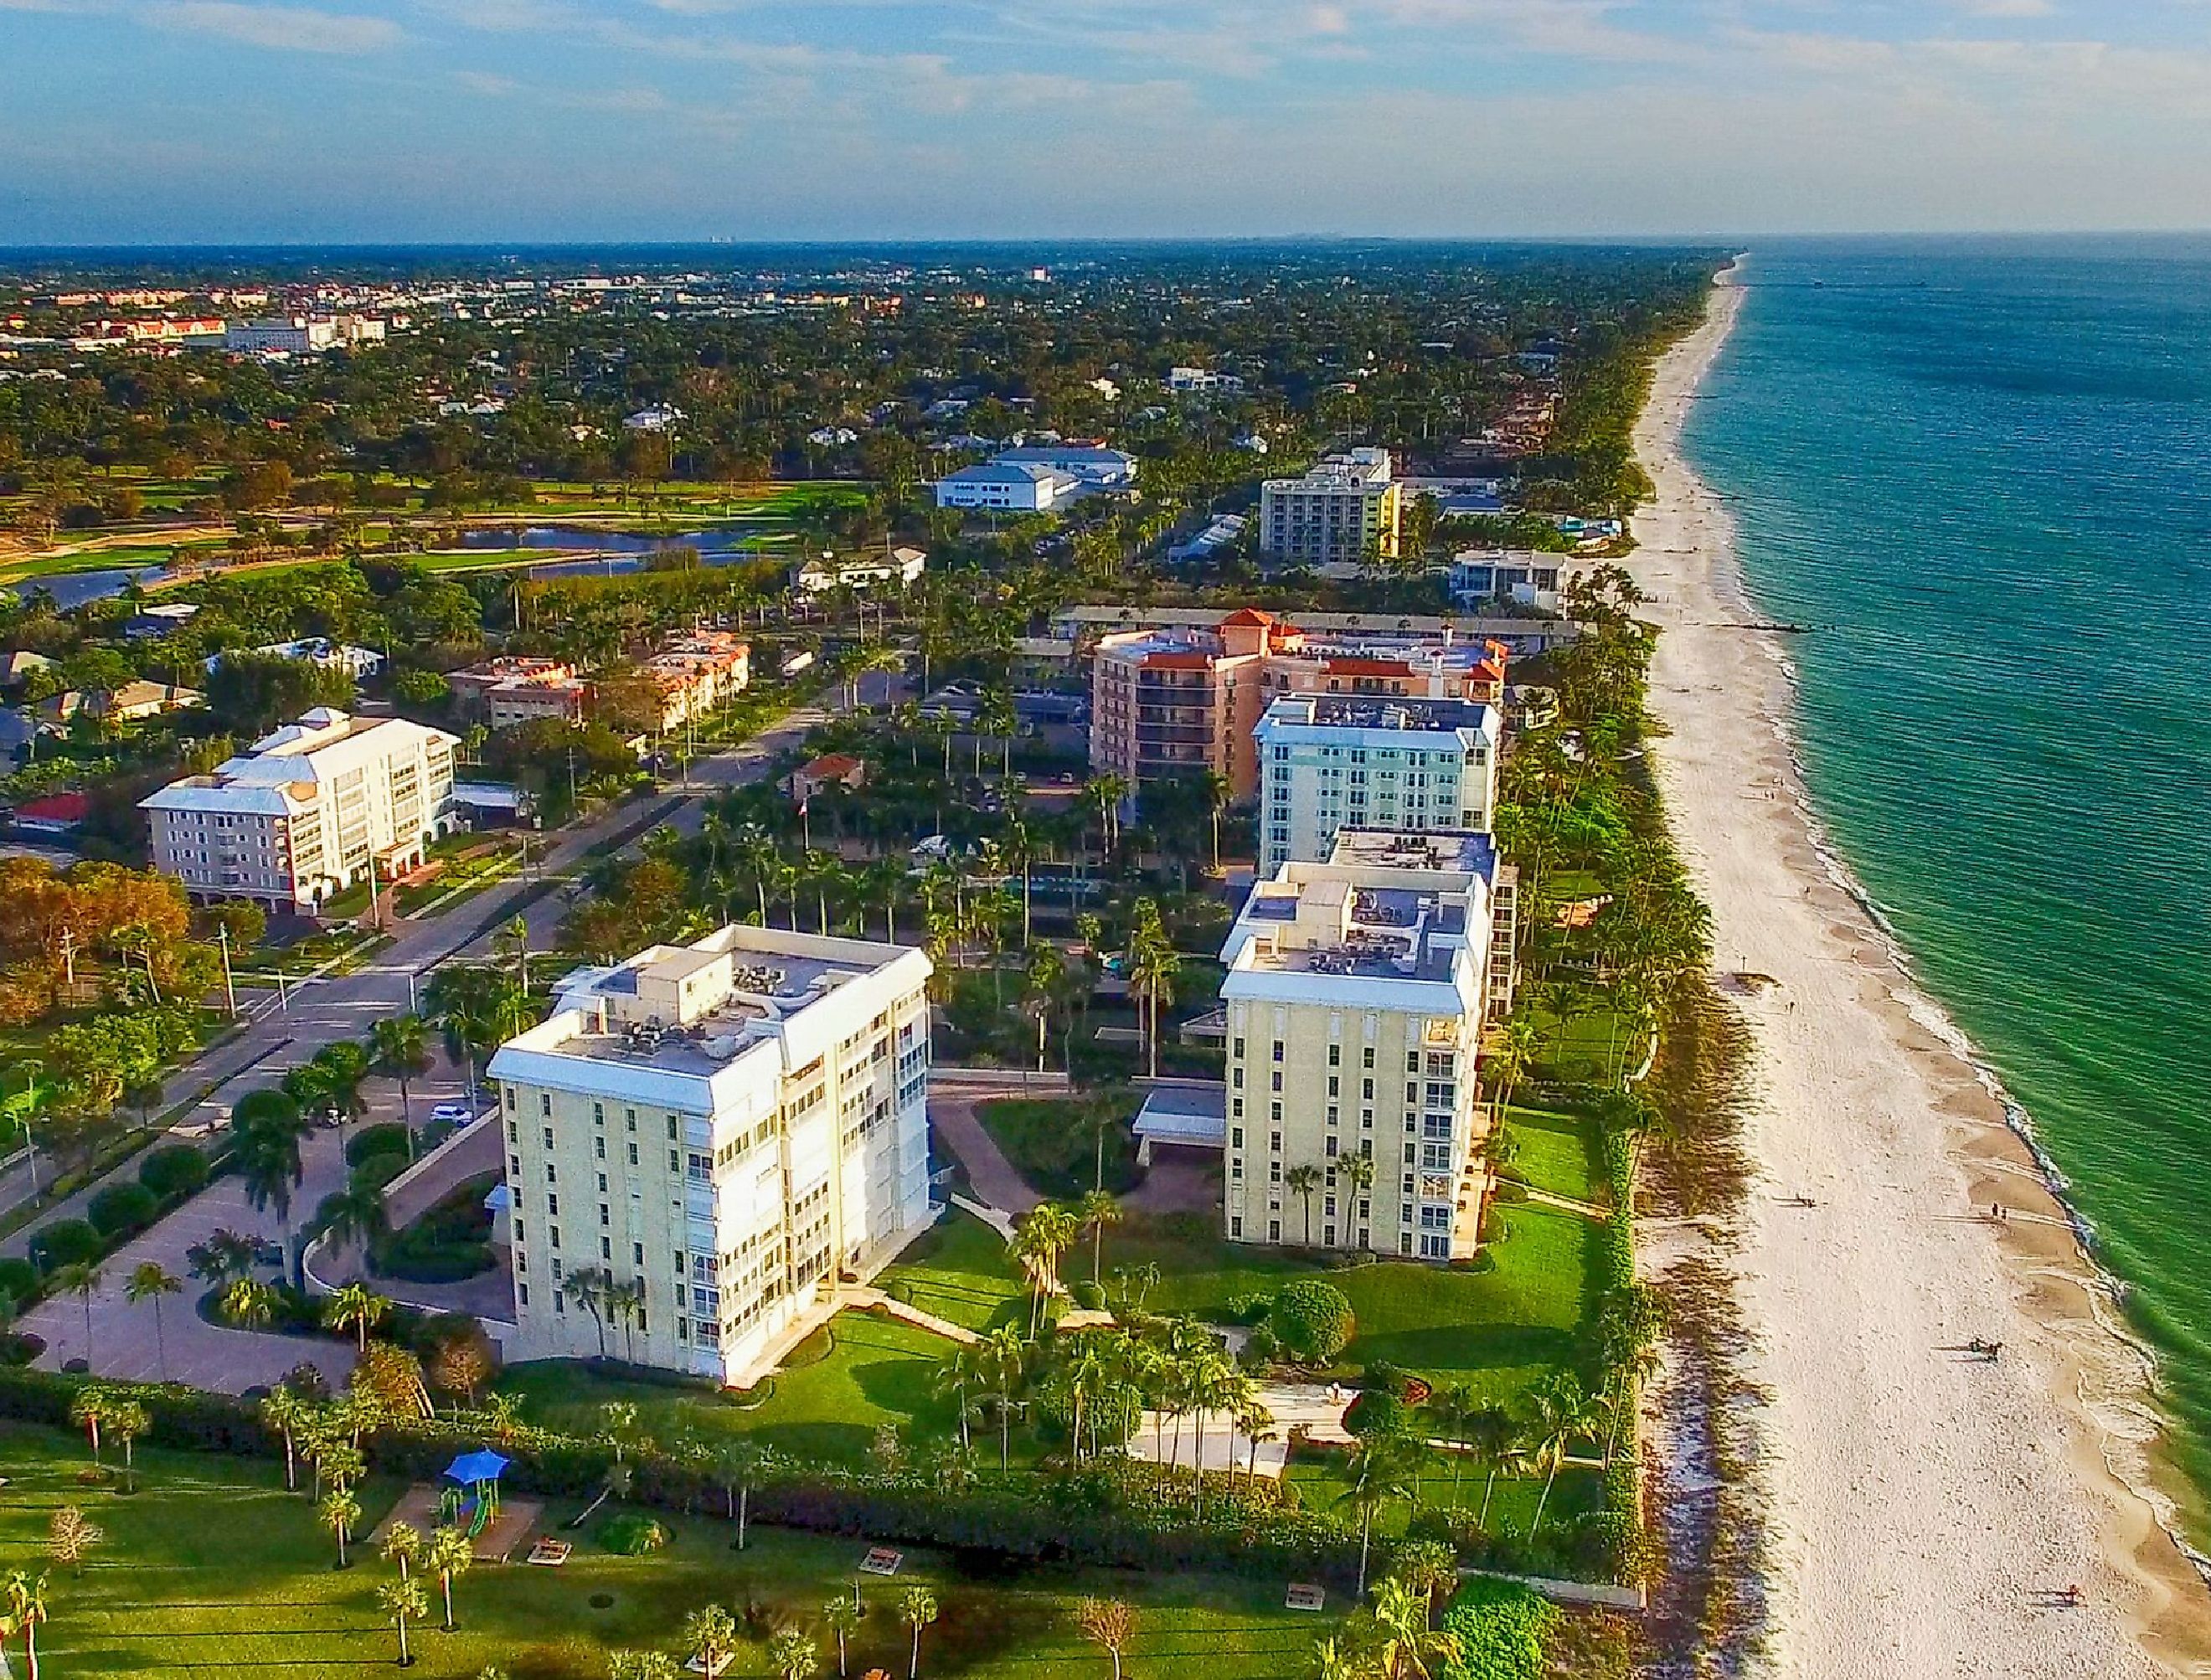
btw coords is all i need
(1984, 473)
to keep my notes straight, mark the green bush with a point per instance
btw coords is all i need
(1500, 1630)
(122, 1210)
(375, 1171)
(174, 1171)
(1312, 1320)
(389, 1138)
(19, 1280)
(451, 1241)
(632, 1534)
(1377, 1411)
(65, 1242)
(1089, 1297)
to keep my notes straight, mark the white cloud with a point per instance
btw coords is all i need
(288, 28)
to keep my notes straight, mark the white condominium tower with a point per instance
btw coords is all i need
(722, 1128)
(307, 811)
(1333, 761)
(1356, 994)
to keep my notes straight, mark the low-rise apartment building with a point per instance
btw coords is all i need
(1185, 699)
(892, 570)
(308, 812)
(1345, 509)
(719, 1131)
(505, 692)
(695, 673)
(1333, 761)
(1356, 996)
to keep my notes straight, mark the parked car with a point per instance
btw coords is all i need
(454, 1114)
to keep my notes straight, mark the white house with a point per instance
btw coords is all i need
(1030, 488)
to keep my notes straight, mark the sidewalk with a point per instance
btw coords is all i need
(953, 1094)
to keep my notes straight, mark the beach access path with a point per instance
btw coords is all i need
(1929, 1506)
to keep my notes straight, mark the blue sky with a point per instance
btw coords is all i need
(162, 120)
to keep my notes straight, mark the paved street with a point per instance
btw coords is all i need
(953, 1094)
(279, 1035)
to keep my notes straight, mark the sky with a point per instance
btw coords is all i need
(161, 121)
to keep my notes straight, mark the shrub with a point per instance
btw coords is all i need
(1501, 1628)
(632, 1534)
(1089, 1297)
(174, 1171)
(122, 1210)
(19, 1280)
(1377, 1411)
(376, 1171)
(389, 1138)
(451, 1241)
(1312, 1320)
(65, 1242)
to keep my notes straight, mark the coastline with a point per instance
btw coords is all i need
(1926, 1504)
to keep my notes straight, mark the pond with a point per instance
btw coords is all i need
(612, 551)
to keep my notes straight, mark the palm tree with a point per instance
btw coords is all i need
(1041, 982)
(339, 1511)
(1400, 1620)
(958, 1377)
(712, 1633)
(286, 1413)
(356, 1308)
(791, 1655)
(1332, 1659)
(1358, 1171)
(1110, 1623)
(1045, 1234)
(1301, 1182)
(355, 1215)
(126, 1421)
(842, 1615)
(402, 1545)
(1152, 963)
(83, 1280)
(1380, 1473)
(917, 1609)
(25, 1596)
(268, 1158)
(742, 1464)
(249, 1303)
(1005, 1355)
(1562, 1411)
(450, 1552)
(150, 1281)
(88, 1412)
(1094, 1213)
(403, 1602)
(1507, 1057)
(591, 1288)
(402, 1052)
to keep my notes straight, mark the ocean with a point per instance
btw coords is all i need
(1981, 474)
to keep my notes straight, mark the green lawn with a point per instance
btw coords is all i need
(959, 1270)
(1556, 1154)
(212, 1568)
(859, 1372)
(1051, 1143)
(1580, 1048)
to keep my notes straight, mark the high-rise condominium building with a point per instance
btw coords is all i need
(1344, 509)
(1183, 699)
(1356, 994)
(304, 814)
(1332, 761)
(702, 1139)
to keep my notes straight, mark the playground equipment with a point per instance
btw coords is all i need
(473, 1500)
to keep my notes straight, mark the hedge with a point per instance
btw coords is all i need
(176, 1170)
(387, 1138)
(65, 1242)
(1501, 1628)
(1097, 1515)
(122, 1210)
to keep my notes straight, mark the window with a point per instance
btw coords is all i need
(599, 1148)
(1368, 1056)
(1236, 1138)
(555, 1233)
(1278, 1079)
(1238, 1052)
(1274, 1142)
(598, 1113)
(637, 1257)
(1412, 1061)
(1273, 1230)
(1236, 1077)
(550, 1177)
(522, 1294)
(510, 1097)
(548, 1137)
(633, 1155)
(1410, 1156)
(1366, 1090)
(606, 1248)
(605, 1219)
(545, 1103)
(1275, 1113)
(513, 1132)
(1235, 1224)
(675, 1130)
(552, 1204)
(1411, 1090)
(1278, 1050)
(629, 1118)
(675, 1160)
(1335, 1055)
(1331, 1146)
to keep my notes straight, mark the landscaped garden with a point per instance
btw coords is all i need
(211, 1567)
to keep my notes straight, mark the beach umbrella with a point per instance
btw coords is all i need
(481, 1465)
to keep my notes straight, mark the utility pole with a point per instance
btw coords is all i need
(229, 988)
(283, 997)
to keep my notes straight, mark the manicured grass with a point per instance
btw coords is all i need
(959, 1271)
(1320, 1480)
(861, 1372)
(1580, 1048)
(212, 1568)
(1555, 1154)
(1052, 1142)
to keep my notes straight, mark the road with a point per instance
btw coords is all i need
(280, 1034)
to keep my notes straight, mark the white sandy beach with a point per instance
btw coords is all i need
(1925, 1503)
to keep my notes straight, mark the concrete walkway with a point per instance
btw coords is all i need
(954, 1093)
(865, 1298)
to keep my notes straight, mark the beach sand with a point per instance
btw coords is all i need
(1925, 1504)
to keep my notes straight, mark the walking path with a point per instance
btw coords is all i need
(870, 1296)
(953, 1093)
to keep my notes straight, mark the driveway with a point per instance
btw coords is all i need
(954, 1093)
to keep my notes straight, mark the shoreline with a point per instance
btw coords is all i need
(1926, 1504)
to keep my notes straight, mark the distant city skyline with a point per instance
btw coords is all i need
(225, 120)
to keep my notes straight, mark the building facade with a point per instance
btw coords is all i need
(693, 674)
(1333, 761)
(1344, 510)
(506, 692)
(1186, 699)
(719, 1131)
(308, 812)
(1356, 996)
(1009, 487)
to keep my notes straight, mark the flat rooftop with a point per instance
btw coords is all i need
(1438, 717)
(1462, 851)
